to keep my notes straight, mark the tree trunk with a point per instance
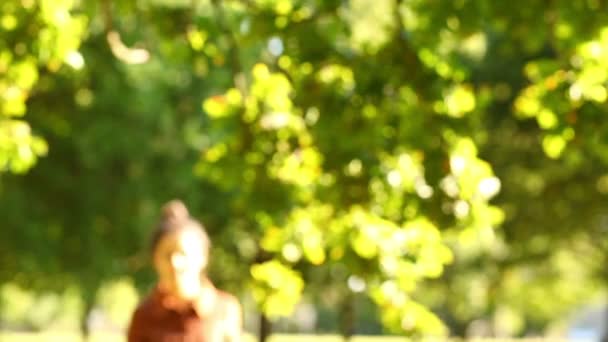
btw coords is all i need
(347, 317)
(604, 328)
(265, 328)
(88, 304)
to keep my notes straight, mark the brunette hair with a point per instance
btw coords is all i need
(175, 217)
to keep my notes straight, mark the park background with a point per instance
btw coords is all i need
(408, 167)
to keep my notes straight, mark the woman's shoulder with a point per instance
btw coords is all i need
(142, 318)
(148, 305)
(230, 314)
(226, 297)
(228, 302)
(220, 297)
(142, 312)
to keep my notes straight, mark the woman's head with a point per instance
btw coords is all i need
(180, 251)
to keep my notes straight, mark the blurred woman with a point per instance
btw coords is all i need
(184, 305)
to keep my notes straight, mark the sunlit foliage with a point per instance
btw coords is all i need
(446, 159)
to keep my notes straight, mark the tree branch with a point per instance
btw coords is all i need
(119, 49)
(233, 50)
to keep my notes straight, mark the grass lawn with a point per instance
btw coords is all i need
(71, 337)
(105, 337)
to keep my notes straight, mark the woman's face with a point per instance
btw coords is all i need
(179, 259)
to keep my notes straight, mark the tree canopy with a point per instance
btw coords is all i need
(445, 159)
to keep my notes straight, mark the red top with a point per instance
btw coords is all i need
(161, 318)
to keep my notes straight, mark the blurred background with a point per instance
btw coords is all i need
(364, 167)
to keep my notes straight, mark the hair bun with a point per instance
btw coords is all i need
(175, 210)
